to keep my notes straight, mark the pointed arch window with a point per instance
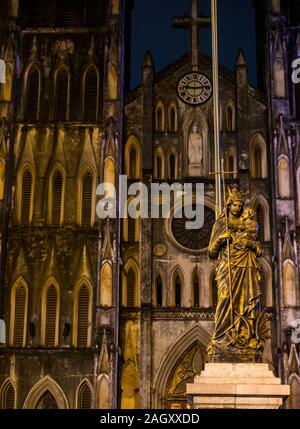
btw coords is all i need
(133, 163)
(172, 119)
(230, 117)
(19, 312)
(26, 198)
(159, 166)
(38, 13)
(279, 80)
(32, 96)
(131, 230)
(172, 167)
(177, 291)
(82, 318)
(112, 83)
(84, 400)
(284, 179)
(95, 13)
(131, 288)
(7, 396)
(91, 91)
(61, 103)
(56, 199)
(159, 291)
(196, 291)
(257, 162)
(106, 285)
(50, 316)
(160, 118)
(86, 199)
(261, 222)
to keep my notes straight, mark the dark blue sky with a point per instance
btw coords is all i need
(152, 28)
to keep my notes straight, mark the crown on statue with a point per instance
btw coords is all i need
(234, 194)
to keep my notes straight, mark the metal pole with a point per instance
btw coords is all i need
(215, 65)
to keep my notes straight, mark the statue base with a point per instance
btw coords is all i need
(237, 385)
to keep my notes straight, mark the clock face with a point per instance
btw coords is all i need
(194, 88)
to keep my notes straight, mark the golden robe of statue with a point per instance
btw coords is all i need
(237, 309)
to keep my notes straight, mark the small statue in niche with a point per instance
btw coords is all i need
(195, 152)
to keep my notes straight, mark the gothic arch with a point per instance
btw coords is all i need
(57, 168)
(294, 399)
(103, 392)
(197, 271)
(106, 284)
(19, 283)
(231, 160)
(131, 264)
(160, 117)
(159, 153)
(178, 272)
(133, 143)
(61, 96)
(260, 200)
(7, 385)
(84, 169)
(289, 283)
(30, 169)
(112, 82)
(258, 145)
(213, 292)
(172, 117)
(200, 119)
(32, 100)
(128, 223)
(85, 113)
(267, 272)
(82, 282)
(172, 163)
(195, 334)
(88, 384)
(279, 80)
(46, 384)
(51, 281)
(230, 116)
(159, 272)
(284, 183)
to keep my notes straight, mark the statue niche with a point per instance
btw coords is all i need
(195, 152)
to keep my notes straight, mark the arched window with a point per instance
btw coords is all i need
(177, 291)
(32, 96)
(159, 166)
(196, 291)
(172, 166)
(159, 291)
(289, 285)
(284, 179)
(133, 163)
(261, 222)
(297, 100)
(131, 229)
(279, 80)
(160, 118)
(258, 157)
(26, 198)
(231, 163)
(56, 199)
(103, 393)
(18, 314)
(61, 95)
(106, 285)
(131, 288)
(95, 13)
(91, 95)
(50, 315)
(82, 316)
(172, 119)
(2, 179)
(84, 399)
(133, 158)
(65, 16)
(230, 117)
(112, 83)
(86, 199)
(213, 289)
(7, 396)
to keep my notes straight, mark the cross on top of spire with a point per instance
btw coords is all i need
(193, 23)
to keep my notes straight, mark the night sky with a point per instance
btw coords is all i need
(152, 29)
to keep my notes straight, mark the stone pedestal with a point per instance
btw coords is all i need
(237, 385)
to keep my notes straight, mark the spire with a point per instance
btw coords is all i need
(241, 59)
(148, 60)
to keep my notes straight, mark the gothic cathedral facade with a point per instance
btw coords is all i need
(118, 313)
